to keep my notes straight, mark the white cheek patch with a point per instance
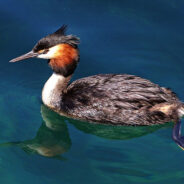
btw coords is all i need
(43, 56)
(50, 54)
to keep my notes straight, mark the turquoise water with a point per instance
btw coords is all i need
(37, 146)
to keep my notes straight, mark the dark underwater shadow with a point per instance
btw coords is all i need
(53, 139)
(116, 132)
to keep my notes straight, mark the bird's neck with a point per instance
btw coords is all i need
(63, 63)
(53, 89)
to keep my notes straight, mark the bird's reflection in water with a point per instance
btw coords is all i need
(53, 139)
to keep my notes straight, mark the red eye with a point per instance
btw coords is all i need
(45, 51)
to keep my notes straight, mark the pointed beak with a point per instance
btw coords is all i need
(25, 56)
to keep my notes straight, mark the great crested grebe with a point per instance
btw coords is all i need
(105, 98)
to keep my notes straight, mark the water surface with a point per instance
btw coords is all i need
(137, 37)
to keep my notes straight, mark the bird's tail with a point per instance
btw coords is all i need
(181, 111)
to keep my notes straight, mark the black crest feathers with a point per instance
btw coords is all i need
(55, 38)
(61, 30)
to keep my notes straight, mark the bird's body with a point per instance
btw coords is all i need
(114, 99)
(117, 99)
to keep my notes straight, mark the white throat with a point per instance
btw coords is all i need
(53, 89)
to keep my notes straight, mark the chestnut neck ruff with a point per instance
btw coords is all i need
(65, 61)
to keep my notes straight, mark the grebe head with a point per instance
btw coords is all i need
(59, 48)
